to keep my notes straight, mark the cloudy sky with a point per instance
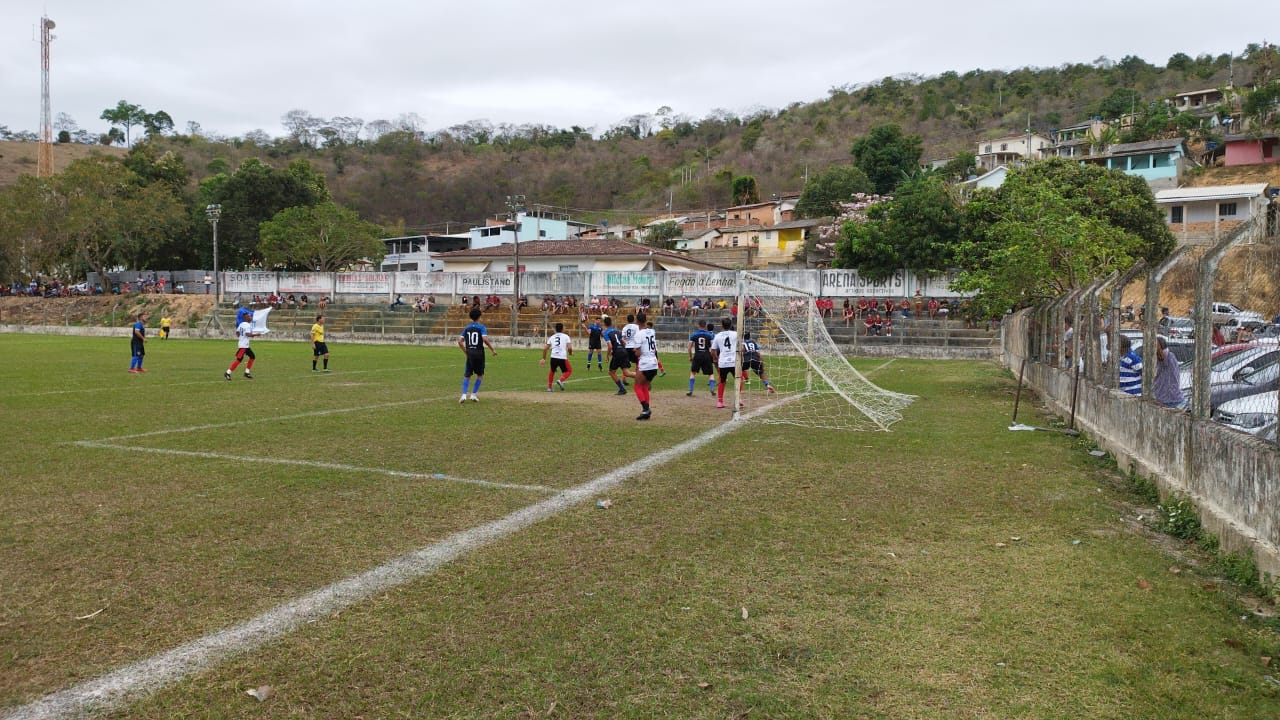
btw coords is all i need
(234, 66)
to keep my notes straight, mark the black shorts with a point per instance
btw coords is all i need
(242, 353)
(649, 375)
(756, 366)
(561, 364)
(138, 349)
(619, 361)
(475, 364)
(320, 349)
(594, 344)
(725, 372)
(701, 365)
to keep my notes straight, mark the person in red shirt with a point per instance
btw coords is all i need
(933, 308)
(862, 307)
(905, 307)
(873, 322)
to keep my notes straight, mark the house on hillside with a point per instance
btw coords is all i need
(697, 239)
(989, 180)
(1251, 149)
(1076, 140)
(416, 253)
(762, 213)
(778, 244)
(1203, 215)
(1201, 102)
(1011, 149)
(570, 256)
(1161, 163)
(541, 224)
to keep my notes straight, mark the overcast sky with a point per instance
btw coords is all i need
(234, 66)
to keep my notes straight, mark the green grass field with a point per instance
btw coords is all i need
(142, 512)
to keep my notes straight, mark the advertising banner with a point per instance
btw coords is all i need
(366, 283)
(318, 284)
(553, 283)
(847, 283)
(258, 283)
(723, 283)
(490, 283)
(626, 283)
(424, 283)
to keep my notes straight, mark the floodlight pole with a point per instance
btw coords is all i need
(514, 202)
(214, 212)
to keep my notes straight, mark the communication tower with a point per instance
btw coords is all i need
(44, 158)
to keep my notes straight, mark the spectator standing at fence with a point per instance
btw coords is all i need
(472, 341)
(1218, 338)
(561, 347)
(1168, 386)
(138, 344)
(318, 346)
(1130, 368)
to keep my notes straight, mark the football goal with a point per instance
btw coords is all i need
(810, 382)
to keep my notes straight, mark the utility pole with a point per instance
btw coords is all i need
(514, 204)
(44, 153)
(213, 212)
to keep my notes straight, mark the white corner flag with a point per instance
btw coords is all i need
(259, 325)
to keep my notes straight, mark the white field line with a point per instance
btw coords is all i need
(131, 388)
(314, 464)
(139, 679)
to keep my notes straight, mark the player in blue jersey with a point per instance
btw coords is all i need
(138, 344)
(472, 341)
(752, 361)
(619, 356)
(595, 333)
(700, 361)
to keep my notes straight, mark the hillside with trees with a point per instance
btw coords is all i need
(406, 178)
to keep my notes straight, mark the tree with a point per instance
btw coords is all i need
(824, 192)
(917, 229)
(887, 156)
(157, 123)
(1053, 227)
(745, 190)
(663, 235)
(126, 115)
(254, 193)
(960, 167)
(321, 238)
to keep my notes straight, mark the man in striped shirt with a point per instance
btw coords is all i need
(1130, 368)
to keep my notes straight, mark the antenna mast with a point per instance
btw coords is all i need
(44, 158)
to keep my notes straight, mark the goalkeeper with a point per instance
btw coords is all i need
(752, 361)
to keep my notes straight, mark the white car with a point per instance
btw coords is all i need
(1228, 313)
(1226, 363)
(1253, 414)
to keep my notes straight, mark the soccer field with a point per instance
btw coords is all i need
(363, 545)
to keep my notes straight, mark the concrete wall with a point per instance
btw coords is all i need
(1233, 479)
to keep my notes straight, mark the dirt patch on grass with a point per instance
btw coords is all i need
(104, 309)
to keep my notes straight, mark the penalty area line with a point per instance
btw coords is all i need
(314, 464)
(138, 679)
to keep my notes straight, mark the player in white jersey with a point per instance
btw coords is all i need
(244, 331)
(561, 347)
(725, 350)
(631, 336)
(647, 366)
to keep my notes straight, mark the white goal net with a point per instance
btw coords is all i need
(810, 382)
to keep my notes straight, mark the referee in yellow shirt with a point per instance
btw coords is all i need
(318, 347)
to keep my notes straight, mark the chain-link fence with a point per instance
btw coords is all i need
(1200, 332)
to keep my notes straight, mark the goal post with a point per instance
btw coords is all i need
(799, 374)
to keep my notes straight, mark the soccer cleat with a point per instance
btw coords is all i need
(772, 389)
(228, 375)
(599, 367)
(133, 370)
(550, 390)
(248, 375)
(460, 400)
(644, 415)
(327, 370)
(559, 384)
(719, 405)
(662, 374)
(689, 394)
(621, 392)
(142, 369)
(475, 397)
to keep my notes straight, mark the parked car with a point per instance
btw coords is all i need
(1176, 326)
(1259, 376)
(1252, 414)
(1226, 312)
(1226, 361)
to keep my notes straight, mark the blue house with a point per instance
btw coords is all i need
(1161, 163)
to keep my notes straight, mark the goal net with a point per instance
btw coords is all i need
(810, 383)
